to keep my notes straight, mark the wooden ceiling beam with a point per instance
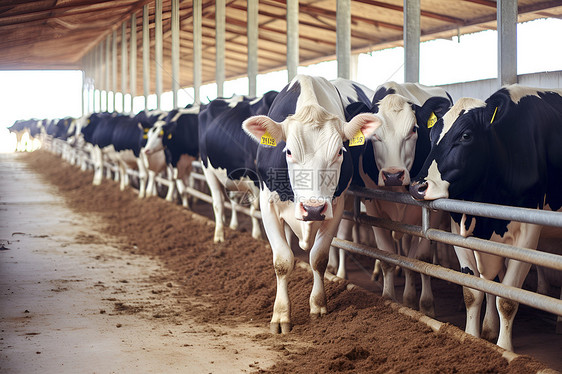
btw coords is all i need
(423, 13)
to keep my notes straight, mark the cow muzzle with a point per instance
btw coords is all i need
(313, 211)
(418, 189)
(394, 177)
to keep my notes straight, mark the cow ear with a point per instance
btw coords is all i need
(497, 106)
(431, 111)
(263, 130)
(365, 123)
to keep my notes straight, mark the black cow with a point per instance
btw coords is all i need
(506, 151)
(176, 136)
(228, 155)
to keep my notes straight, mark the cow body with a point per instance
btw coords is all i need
(228, 156)
(176, 137)
(397, 149)
(304, 168)
(503, 151)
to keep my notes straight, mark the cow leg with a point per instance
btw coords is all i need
(318, 259)
(472, 298)
(143, 176)
(421, 250)
(182, 180)
(409, 297)
(218, 203)
(386, 243)
(515, 275)
(98, 166)
(172, 185)
(254, 208)
(283, 263)
(345, 232)
(233, 215)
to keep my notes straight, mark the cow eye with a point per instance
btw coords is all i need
(288, 152)
(341, 151)
(465, 137)
(415, 129)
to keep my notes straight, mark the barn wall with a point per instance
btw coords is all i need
(482, 89)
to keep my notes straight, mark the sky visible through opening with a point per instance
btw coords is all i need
(57, 94)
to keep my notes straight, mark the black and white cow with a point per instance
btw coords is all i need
(506, 151)
(304, 168)
(152, 163)
(177, 137)
(406, 113)
(228, 156)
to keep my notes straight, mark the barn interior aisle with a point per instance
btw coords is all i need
(73, 302)
(96, 279)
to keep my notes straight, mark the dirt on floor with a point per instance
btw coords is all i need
(234, 284)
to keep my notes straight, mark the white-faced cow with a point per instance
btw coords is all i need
(398, 148)
(304, 168)
(506, 151)
(176, 136)
(228, 156)
(153, 163)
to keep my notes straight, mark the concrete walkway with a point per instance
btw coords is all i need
(61, 284)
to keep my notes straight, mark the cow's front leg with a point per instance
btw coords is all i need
(516, 273)
(472, 298)
(283, 262)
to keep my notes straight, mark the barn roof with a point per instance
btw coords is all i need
(57, 34)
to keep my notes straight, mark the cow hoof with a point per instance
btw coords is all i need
(280, 327)
(410, 302)
(489, 335)
(428, 310)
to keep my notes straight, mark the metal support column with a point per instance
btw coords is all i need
(158, 53)
(292, 38)
(412, 34)
(175, 51)
(114, 69)
(343, 38)
(507, 42)
(252, 31)
(197, 49)
(107, 70)
(145, 55)
(123, 64)
(220, 37)
(133, 60)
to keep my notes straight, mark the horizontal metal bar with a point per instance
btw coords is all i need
(499, 249)
(535, 300)
(537, 216)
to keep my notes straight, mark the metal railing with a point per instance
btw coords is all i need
(535, 216)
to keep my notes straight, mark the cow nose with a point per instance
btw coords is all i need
(418, 189)
(147, 151)
(313, 211)
(393, 177)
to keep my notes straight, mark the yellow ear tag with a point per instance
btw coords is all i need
(161, 132)
(358, 139)
(494, 115)
(145, 136)
(267, 139)
(432, 120)
(169, 136)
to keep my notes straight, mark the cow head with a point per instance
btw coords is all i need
(154, 138)
(458, 159)
(314, 147)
